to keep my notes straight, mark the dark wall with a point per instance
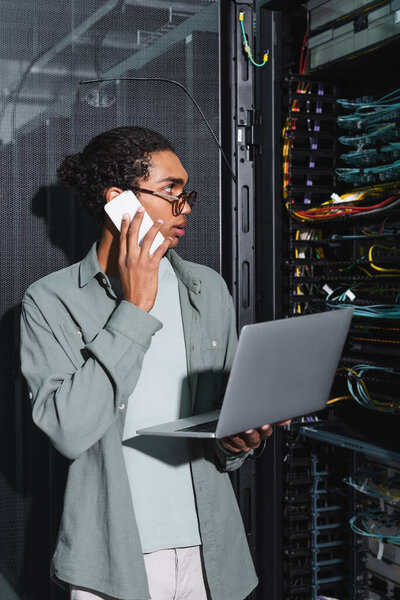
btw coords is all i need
(47, 115)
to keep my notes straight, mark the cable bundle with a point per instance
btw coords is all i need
(359, 391)
(382, 231)
(350, 205)
(376, 484)
(308, 136)
(386, 172)
(336, 300)
(373, 155)
(377, 122)
(312, 288)
(372, 135)
(377, 525)
(367, 261)
(369, 111)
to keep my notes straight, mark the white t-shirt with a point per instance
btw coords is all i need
(158, 468)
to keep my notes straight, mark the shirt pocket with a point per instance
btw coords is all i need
(76, 338)
(209, 383)
(213, 353)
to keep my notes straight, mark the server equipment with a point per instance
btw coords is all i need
(342, 30)
(304, 98)
(334, 186)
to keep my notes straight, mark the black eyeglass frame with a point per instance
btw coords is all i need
(177, 202)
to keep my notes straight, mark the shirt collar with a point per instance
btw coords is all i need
(182, 271)
(90, 268)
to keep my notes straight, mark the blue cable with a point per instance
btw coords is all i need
(360, 523)
(364, 483)
(378, 311)
(360, 394)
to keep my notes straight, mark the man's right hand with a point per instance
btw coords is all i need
(138, 268)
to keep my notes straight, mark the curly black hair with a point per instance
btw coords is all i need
(118, 157)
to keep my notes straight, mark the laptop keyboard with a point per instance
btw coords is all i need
(206, 427)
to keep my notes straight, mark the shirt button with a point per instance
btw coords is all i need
(214, 343)
(79, 333)
(30, 395)
(121, 406)
(104, 280)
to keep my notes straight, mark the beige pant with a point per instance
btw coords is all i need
(175, 574)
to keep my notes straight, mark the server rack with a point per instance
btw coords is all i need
(329, 491)
(260, 292)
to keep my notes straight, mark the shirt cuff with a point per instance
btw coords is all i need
(230, 454)
(135, 323)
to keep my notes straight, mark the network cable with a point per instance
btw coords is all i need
(386, 100)
(375, 484)
(336, 300)
(370, 174)
(309, 289)
(370, 111)
(359, 391)
(363, 397)
(372, 155)
(371, 259)
(372, 135)
(375, 115)
(334, 208)
(365, 261)
(378, 525)
(290, 123)
(365, 234)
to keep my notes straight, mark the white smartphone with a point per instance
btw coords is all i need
(128, 203)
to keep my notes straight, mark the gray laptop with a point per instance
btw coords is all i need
(282, 369)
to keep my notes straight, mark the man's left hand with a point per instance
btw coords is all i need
(249, 439)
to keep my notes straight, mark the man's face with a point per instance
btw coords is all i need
(166, 176)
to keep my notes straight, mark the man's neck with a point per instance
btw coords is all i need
(108, 251)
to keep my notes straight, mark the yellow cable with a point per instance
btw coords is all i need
(285, 153)
(360, 380)
(370, 258)
(339, 398)
(375, 327)
(361, 269)
(360, 339)
(318, 235)
(379, 405)
(364, 271)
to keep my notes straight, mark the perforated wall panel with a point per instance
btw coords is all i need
(47, 47)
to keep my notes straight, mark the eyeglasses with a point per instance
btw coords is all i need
(177, 202)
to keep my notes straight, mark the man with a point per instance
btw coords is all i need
(125, 339)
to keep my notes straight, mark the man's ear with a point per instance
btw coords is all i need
(111, 193)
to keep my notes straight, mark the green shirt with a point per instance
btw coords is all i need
(81, 354)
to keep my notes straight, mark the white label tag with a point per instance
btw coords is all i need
(350, 295)
(380, 550)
